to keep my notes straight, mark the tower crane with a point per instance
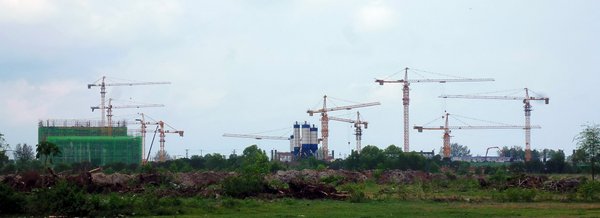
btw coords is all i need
(261, 137)
(358, 124)
(527, 108)
(110, 107)
(102, 84)
(406, 99)
(325, 120)
(447, 130)
(257, 137)
(162, 133)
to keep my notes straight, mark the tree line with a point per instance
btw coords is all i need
(370, 158)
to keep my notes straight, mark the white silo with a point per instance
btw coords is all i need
(297, 136)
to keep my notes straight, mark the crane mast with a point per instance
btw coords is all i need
(526, 107)
(162, 154)
(162, 133)
(111, 107)
(447, 130)
(103, 86)
(406, 97)
(325, 121)
(358, 124)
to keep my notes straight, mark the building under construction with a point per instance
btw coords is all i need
(88, 141)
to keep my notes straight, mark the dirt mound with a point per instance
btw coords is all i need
(315, 177)
(115, 179)
(403, 177)
(200, 179)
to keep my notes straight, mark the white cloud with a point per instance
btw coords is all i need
(374, 17)
(22, 11)
(24, 103)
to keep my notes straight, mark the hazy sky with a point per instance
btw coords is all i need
(254, 66)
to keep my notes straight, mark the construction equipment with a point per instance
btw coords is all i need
(446, 128)
(261, 137)
(358, 124)
(406, 99)
(161, 130)
(102, 84)
(110, 107)
(325, 120)
(527, 108)
(488, 149)
(257, 137)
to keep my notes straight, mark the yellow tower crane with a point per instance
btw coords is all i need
(102, 84)
(358, 124)
(406, 99)
(325, 120)
(447, 130)
(527, 108)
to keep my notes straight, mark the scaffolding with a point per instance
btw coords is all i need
(88, 141)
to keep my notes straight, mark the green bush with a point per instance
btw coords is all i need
(411, 192)
(114, 205)
(464, 185)
(243, 186)
(356, 191)
(589, 191)
(334, 180)
(516, 195)
(63, 199)
(11, 202)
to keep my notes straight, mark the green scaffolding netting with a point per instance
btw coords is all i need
(98, 150)
(44, 132)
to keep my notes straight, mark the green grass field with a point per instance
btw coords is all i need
(330, 208)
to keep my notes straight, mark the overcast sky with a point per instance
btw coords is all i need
(255, 66)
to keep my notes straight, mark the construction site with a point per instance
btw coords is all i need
(107, 141)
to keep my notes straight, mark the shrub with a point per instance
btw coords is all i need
(334, 180)
(356, 191)
(243, 186)
(516, 195)
(464, 185)
(589, 191)
(114, 205)
(11, 202)
(62, 199)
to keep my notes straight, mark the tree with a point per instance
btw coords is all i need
(371, 157)
(457, 150)
(47, 150)
(556, 164)
(515, 153)
(157, 156)
(255, 161)
(23, 153)
(588, 140)
(3, 148)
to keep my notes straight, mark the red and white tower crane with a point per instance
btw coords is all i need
(325, 120)
(406, 99)
(447, 130)
(102, 84)
(358, 124)
(527, 108)
(162, 133)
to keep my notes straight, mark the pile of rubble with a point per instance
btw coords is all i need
(314, 176)
(564, 184)
(403, 177)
